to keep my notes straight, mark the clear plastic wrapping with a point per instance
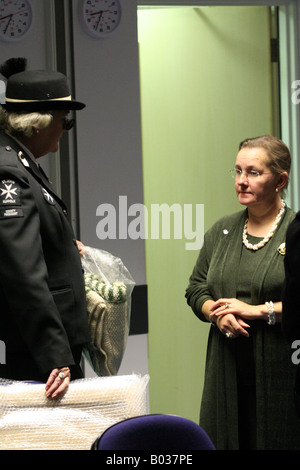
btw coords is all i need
(109, 286)
(30, 421)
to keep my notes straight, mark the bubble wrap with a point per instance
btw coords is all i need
(29, 421)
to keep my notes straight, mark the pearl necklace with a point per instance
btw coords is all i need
(267, 237)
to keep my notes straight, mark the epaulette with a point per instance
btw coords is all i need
(8, 156)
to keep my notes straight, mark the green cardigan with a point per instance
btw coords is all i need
(215, 276)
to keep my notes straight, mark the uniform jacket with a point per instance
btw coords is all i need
(42, 295)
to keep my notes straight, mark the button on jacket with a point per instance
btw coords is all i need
(42, 295)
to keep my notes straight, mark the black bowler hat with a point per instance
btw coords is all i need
(39, 90)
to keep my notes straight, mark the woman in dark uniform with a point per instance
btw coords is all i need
(42, 314)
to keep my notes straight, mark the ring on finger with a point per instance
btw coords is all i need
(226, 305)
(229, 335)
(61, 375)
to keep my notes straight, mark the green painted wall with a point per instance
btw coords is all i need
(205, 86)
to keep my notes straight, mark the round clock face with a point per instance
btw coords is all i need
(15, 19)
(101, 17)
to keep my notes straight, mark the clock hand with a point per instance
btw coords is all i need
(99, 19)
(7, 16)
(13, 14)
(10, 18)
(97, 12)
(19, 12)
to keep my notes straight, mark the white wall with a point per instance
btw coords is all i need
(108, 129)
(109, 143)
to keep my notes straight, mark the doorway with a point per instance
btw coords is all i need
(206, 84)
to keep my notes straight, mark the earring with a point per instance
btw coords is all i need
(276, 190)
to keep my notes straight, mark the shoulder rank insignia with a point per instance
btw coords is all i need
(48, 196)
(23, 159)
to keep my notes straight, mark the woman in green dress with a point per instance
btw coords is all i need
(236, 284)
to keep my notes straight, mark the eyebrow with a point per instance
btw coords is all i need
(250, 167)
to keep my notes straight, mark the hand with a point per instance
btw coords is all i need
(228, 315)
(236, 307)
(57, 386)
(80, 246)
(233, 325)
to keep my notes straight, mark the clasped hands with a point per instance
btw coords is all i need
(230, 315)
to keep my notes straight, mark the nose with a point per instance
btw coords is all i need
(242, 178)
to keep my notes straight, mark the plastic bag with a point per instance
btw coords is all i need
(109, 286)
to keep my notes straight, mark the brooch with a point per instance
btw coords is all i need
(281, 249)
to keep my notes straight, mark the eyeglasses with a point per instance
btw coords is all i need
(251, 174)
(68, 123)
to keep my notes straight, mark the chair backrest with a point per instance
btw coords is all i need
(154, 432)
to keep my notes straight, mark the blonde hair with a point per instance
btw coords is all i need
(23, 123)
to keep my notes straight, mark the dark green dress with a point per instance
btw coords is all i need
(247, 399)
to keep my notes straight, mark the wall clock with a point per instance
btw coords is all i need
(15, 19)
(101, 17)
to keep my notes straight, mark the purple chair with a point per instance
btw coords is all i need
(154, 432)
